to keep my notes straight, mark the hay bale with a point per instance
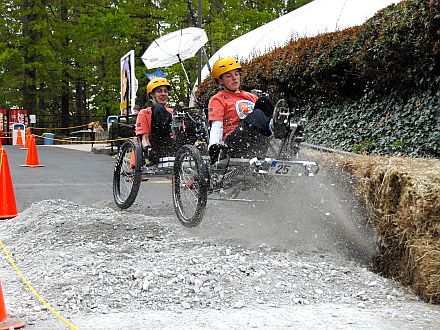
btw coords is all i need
(402, 197)
(426, 267)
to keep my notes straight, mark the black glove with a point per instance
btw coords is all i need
(151, 155)
(214, 151)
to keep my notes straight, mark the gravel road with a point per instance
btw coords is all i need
(105, 269)
(300, 260)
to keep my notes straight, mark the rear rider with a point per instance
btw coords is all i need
(153, 124)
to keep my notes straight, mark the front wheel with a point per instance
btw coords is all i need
(127, 174)
(190, 185)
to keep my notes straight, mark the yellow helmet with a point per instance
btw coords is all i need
(224, 65)
(157, 82)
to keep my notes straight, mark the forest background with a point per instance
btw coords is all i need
(60, 60)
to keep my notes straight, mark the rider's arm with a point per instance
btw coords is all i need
(143, 126)
(145, 141)
(216, 113)
(216, 134)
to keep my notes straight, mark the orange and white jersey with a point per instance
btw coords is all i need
(229, 108)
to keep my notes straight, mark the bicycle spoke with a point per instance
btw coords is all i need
(189, 190)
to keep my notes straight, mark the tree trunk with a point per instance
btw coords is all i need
(64, 101)
(81, 102)
(29, 81)
(65, 86)
(41, 99)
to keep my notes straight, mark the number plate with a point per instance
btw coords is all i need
(280, 168)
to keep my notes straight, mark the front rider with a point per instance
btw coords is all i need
(153, 124)
(241, 120)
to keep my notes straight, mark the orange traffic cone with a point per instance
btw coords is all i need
(8, 208)
(32, 155)
(5, 323)
(26, 142)
(19, 140)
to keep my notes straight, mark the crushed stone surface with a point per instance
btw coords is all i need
(102, 268)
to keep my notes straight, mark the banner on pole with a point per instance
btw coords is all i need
(129, 84)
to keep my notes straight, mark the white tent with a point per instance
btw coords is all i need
(317, 17)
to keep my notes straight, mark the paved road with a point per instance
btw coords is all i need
(74, 175)
(69, 173)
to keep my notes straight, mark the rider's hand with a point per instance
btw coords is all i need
(214, 151)
(150, 154)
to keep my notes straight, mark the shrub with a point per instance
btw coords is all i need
(381, 80)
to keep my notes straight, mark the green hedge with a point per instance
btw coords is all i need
(393, 125)
(372, 88)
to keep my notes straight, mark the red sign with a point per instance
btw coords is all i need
(13, 116)
(3, 119)
(17, 116)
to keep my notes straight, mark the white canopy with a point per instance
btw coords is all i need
(174, 47)
(317, 17)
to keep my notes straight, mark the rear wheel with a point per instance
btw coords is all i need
(190, 185)
(127, 174)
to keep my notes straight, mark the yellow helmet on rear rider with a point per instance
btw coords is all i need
(157, 82)
(224, 65)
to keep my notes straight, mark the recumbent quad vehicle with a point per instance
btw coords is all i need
(196, 175)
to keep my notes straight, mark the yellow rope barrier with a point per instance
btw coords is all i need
(76, 141)
(95, 124)
(33, 290)
(59, 128)
(85, 141)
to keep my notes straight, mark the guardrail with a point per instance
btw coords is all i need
(326, 149)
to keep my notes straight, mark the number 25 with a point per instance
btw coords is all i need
(282, 169)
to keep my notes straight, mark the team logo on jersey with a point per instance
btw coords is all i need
(244, 107)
